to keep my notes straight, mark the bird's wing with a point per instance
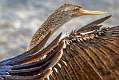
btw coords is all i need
(16, 68)
(26, 67)
(95, 25)
(34, 54)
(90, 56)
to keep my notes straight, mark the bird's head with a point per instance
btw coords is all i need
(76, 10)
(66, 12)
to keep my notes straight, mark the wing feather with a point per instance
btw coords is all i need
(94, 58)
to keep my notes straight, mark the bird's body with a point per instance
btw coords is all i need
(90, 53)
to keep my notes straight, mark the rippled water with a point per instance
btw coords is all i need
(19, 19)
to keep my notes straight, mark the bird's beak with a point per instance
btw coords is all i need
(89, 12)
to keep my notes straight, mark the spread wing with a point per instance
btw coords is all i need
(27, 66)
(91, 53)
(90, 56)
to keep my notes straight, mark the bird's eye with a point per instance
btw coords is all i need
(76, 8)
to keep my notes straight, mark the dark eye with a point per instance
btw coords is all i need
(76, 9)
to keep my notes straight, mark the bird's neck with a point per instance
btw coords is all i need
(55, 21)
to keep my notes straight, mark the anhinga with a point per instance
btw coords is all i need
(90, 53)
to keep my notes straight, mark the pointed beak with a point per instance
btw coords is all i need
(89, 12)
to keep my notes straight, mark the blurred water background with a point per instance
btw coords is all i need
(19, 19)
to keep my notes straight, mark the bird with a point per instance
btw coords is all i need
(63, 14)
(89, 53)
